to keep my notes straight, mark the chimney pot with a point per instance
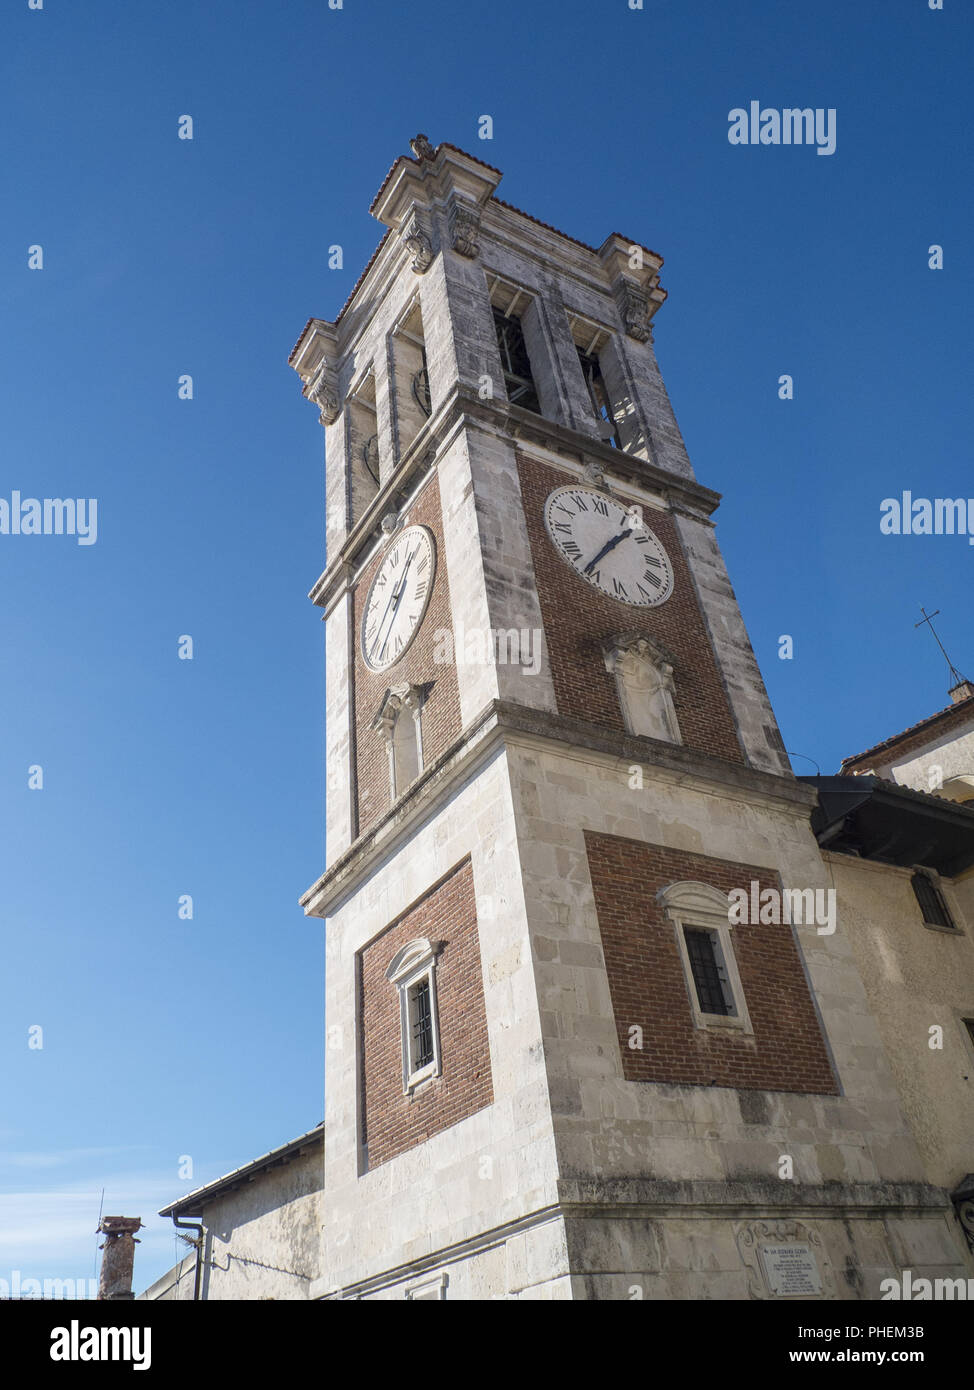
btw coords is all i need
(115, 1282)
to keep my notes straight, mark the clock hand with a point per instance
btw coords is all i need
(609, 545)
(389, 603)
(395, 598)
(405, 570)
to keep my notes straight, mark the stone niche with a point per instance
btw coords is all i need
(643, 673)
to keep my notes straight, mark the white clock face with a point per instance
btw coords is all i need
(608, 546)
(398, 597)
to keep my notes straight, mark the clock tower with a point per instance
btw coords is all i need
(557, 1065)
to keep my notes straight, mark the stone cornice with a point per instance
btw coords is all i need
(464, 408)
(501, 724)
(592, 1197)
(693, 1199)
(449, 175)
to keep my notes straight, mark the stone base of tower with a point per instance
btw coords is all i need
(692, 1241)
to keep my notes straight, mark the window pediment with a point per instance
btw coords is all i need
(694, 899)
(396, 699)
(414, 956)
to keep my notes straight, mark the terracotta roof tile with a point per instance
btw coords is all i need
(547, 225)
(300, 336)
(629, 242)
(445, 145)
(351, 295)
(911, 731)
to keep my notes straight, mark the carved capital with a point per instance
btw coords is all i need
(640, 658)
(418, 244)
(396, 699)
(634, 307)
(323, 392)
(464, 227)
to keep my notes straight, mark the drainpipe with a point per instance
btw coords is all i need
(196, 1226)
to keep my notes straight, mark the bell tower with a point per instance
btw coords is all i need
(555, 1067)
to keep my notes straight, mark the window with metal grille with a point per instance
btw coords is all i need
(931, 900)
(600, 397)
(709, 975)
(421, 1011)
(515, 362)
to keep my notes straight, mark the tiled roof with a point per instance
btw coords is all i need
(229, 1181)
(911, 730)
(445, 145)
(351, 295)
(300, 336)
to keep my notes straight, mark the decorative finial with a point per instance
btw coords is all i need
(421, 147)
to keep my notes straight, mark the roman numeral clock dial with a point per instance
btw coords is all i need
(398, 597)
(608, 546)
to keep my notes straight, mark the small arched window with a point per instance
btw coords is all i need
(399, 723)
(931, 900)
(699, 913)
(413, 971)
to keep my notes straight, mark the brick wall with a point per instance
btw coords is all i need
(392, 1122)
(441, 712)
(577, 617)
(648, 986)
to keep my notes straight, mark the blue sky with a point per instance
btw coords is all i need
(166, 1037)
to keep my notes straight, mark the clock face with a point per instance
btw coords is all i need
(398, 597)
(608, 545)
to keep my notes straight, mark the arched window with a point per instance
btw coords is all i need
(699, 914)
(398, 722)
(931, 900)
(413, 972)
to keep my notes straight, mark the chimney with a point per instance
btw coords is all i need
(119, 1257)
(963, 690)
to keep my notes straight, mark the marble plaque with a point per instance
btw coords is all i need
(791, 1270)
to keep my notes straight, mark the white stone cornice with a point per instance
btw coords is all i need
(451, 173)
(501, 724)
(318, 346)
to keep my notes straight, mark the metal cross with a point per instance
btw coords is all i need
(928, 619)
